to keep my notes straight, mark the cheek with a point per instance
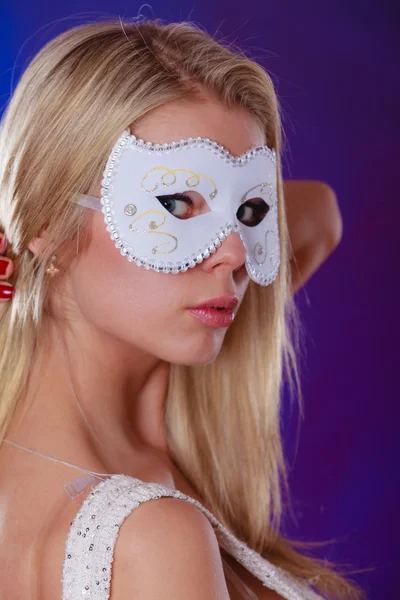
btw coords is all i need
(118, 296)
(141, 307)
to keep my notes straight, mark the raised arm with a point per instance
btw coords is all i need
(315, 226)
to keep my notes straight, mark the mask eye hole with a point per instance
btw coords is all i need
(252, 212)
(184, 205)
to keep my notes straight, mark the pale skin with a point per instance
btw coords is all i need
(126, 324)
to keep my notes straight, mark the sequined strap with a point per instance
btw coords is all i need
(240, 586)
(91, 540)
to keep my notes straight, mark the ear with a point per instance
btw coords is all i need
(37, 243)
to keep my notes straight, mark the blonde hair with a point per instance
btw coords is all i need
(53, 145)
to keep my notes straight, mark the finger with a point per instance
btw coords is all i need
(6, 291)
(6, 267)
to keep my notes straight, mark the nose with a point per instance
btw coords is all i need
(230, 256)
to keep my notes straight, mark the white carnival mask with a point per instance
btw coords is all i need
(169, 207)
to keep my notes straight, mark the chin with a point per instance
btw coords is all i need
(197, 355)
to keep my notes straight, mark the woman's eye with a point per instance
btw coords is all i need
(184, 205)
(178, 205)
(252, 212)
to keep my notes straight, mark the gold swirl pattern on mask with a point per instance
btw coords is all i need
(151, 229)
(261, 252)
(192, 181)
(262, 187)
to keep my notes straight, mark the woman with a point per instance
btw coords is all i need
(108, 367)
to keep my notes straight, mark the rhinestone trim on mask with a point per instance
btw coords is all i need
(128, 140)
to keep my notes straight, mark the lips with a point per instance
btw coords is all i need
(220, 302)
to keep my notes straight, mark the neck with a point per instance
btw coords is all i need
(89, 394)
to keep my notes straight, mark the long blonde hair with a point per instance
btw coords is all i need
(222, 419)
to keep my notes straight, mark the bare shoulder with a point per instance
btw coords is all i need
(167, 549)
(51, 551)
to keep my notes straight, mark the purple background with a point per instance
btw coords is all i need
(334, 64)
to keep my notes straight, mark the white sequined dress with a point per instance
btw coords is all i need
(89, 548)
